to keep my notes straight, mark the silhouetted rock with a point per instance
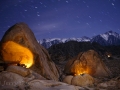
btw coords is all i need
(88, 62)
(19, 45)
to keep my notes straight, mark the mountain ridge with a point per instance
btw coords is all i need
(105, 39)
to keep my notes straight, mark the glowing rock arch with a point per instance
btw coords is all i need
(14, 53)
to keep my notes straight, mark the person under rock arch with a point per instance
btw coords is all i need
(22, 65)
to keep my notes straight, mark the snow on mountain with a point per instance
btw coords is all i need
(109, 33)
(86, 39)
(108, 38)
(49, 42)
(64, 40)
(99, 39)
(104, 36)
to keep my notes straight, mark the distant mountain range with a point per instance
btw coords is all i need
(106, 39)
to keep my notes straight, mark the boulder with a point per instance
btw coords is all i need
(88, 62)
(13, 81)
(10, 79)
(19, 46)
(83, 80)
(109, 85)
(51, 85)
(68, 79)
(18, 70)
(36, 75)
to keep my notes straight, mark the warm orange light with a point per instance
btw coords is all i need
(78, 69)
(79, 74)
(109, 56)
(15, 53)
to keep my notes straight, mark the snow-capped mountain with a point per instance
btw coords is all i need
(49, 42)
(108, 38)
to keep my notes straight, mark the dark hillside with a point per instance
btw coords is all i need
(65, 51)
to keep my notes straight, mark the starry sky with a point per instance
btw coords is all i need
(61, 18)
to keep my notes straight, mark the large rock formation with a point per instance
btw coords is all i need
(12, 80)
(19, 45)
(88, 62)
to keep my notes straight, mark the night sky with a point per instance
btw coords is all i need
(61, 18)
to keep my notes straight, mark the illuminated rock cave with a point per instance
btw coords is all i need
(88, 62)
(14, 53)
(19, 47)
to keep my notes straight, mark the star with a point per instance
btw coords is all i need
(113, 4)
(89, 16)
(67, 2)
(25, 10)
(61, 16)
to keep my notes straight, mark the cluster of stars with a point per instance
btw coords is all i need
(61, 15)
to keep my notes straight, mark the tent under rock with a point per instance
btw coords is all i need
(19, 46)
(87, 62)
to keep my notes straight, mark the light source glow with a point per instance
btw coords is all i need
(78, 69)
(109, 56)
(15, 53)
